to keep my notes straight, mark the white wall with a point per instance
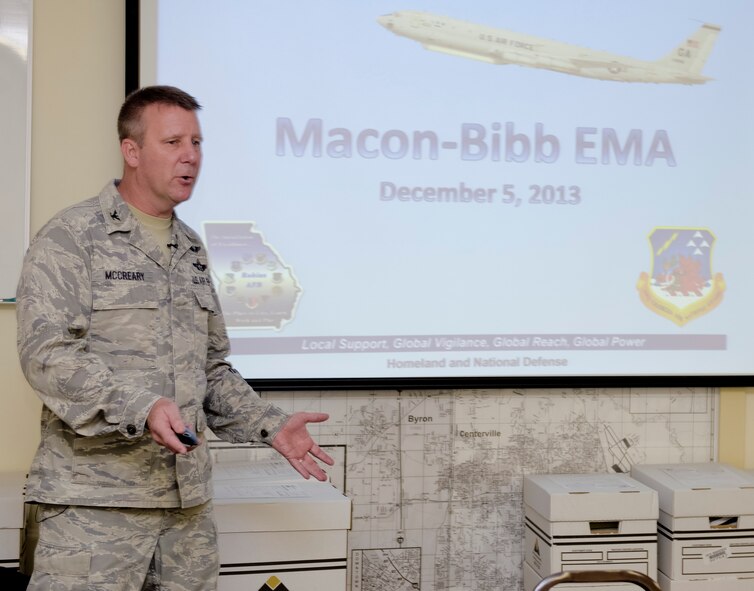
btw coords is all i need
(78, 85)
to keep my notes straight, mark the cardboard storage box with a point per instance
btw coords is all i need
(706, 522)
(576, 522)
(11, 517)
(277, 528)
(726, 584)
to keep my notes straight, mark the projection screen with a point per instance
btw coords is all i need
(471, 191)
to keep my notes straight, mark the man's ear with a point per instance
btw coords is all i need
(130, 150)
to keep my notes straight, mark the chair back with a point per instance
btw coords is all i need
(598, 576)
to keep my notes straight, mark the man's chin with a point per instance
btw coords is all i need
(181, 196)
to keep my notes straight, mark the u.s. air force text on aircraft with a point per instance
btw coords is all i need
(496, 142)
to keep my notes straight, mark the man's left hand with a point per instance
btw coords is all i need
(295, 444)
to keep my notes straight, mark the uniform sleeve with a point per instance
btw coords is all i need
(54, 302)
(234, 411)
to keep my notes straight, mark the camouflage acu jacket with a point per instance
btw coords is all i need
(106, 326)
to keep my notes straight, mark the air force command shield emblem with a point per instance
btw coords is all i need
(681, 286)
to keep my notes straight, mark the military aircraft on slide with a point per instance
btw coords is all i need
(683, 65)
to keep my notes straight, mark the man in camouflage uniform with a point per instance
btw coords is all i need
(120, 334)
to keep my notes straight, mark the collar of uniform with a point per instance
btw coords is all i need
(186, 238)
(118, 217)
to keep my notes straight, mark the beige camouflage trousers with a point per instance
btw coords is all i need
(116, 549)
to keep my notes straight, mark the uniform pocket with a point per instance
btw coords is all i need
(124, 324)
(61, 562)
(112, 461)
(204, 309)
(205, 301)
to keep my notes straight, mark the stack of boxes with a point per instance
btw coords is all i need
(11, 517)
(688, 526)
(277, 530)
(577, 522)
(706, 525)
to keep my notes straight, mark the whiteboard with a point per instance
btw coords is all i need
(15, 131)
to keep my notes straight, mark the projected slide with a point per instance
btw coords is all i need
(479, 189)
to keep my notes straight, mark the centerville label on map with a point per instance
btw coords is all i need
(255, 286)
